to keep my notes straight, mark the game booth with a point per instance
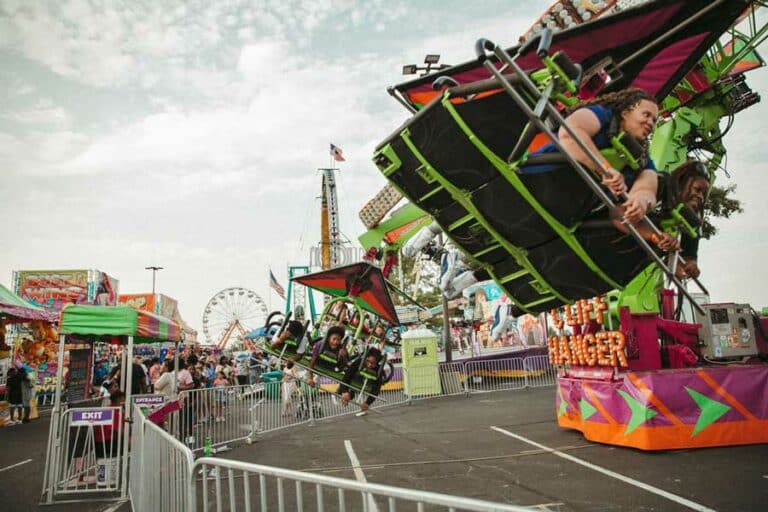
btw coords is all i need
(13, 311)
(88, 445)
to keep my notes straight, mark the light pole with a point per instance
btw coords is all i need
(430, 60)
(154, 271)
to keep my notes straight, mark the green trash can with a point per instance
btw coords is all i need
(271, 382)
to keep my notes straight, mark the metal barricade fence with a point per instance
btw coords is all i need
(453, 378)
(85, 453)
(219, 485)
(538, 372)
(164, 475)
(161, 469)
(495, 375)
(236, 413)
(136, 467)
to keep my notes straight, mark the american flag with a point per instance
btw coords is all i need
(276, 286)
(336, 153)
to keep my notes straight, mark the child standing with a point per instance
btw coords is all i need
(220, 385)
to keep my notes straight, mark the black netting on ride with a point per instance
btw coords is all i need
(511, 215)
(496, 120)
(562, 192)
(472, 237)
(447, 148)
(450, 214)
(505, 266)
(441, 201)
(546, 307)
(616, 253)
(522, 290)
(565, 271)
(495, 256)
(406, 176)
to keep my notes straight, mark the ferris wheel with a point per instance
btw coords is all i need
(231, 314)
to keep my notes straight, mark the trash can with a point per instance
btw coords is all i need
(421, 374)
(271, 382)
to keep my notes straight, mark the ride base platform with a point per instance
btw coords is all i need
(667, 409)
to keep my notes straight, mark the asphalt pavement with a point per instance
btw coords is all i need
(502, 446)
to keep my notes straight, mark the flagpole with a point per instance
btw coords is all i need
(269, 287)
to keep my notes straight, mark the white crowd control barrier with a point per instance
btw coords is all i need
(538, 372)
(85, 453)
(165, 477)
(218, 416)
(160, 469)
(234, 486)
(496, 375)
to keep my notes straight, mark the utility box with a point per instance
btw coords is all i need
(727, 331)
(421, 372)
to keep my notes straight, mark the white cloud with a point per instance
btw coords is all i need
(44, 113)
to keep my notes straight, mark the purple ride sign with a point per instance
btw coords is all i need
(151, 401)
(148, 403)
(86, 417)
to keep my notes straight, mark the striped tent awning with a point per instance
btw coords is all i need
(118, 321)
(15, 309)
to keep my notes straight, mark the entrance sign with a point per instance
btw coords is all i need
(148, 403)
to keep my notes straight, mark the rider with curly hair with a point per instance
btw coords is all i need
(688, 184)
(594, 122)
(632, 111)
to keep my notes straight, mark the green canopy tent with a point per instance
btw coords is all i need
(142, 326)
(98, 322)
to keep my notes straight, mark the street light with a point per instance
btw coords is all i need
(430, 60)
(154, 271)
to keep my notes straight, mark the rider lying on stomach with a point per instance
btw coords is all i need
(370, 367)
(633, 112)
(331, 346)
(295, 331)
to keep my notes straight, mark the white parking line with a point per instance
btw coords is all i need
(631, 481)
(359, 472)
(15, 465)
(114, 507)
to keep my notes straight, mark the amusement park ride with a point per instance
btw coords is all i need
(632, 370)
(231, 314)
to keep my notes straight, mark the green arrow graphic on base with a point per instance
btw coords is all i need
(711, 410)
(640, 413)
(563, 404)
(587, 410)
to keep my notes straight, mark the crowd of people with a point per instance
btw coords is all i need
(195, 371)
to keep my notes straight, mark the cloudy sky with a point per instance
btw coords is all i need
(187, 134)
